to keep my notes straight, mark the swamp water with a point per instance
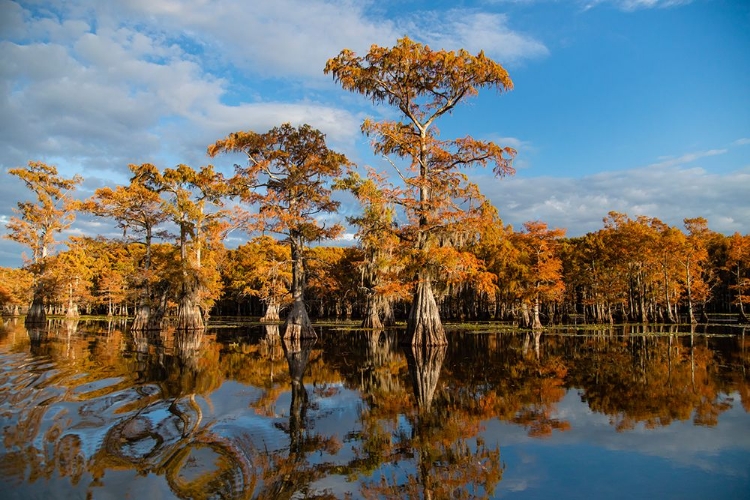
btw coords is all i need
(89, 410)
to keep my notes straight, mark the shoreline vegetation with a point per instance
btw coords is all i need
(598, 282)
(430, 247)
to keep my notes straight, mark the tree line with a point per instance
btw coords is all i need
(430, 246)
(631, 270)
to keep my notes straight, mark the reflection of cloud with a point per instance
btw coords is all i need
(681, 460)
(681, 442)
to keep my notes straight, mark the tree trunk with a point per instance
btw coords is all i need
(189, 315)
(742, 317)
(36, 314)
(704, 314)
(423, 326)
(142, 316)
(525, 320)
(670, 317)
(157, 314)
(372, 313)
(388, 319)
(72, 310)
(537, 324)
(272, 312)
(298, 325)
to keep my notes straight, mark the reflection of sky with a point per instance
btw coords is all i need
(681, 460)
(590, 460)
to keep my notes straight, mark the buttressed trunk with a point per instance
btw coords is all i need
(36, 315)
(537, 324)
(298, 325)
(142, 316)
(372, 314)
(423, 326)
(189, 315)
(272, 312)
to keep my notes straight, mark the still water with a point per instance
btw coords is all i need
(89, 410)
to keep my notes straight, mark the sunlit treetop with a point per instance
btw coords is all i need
(422, 83)
(288, 176)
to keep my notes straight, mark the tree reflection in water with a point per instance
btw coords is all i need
(167, 438)
(449, 459)
(97, 409)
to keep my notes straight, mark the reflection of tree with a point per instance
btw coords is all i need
(297, 356)
(377, 364)
(541, 390)
(651, 379)
(741, 376)
(503, 377)
(450, 460)
(424, 369)
(37, 338)
(168, 436)
(81, 409)
(290, 475)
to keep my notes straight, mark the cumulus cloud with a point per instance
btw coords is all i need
(103, 83)
(271, 38)
(475, 31)
(669, 192)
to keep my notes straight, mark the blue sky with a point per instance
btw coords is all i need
(637, 106)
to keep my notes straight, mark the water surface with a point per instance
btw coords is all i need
(89, 410)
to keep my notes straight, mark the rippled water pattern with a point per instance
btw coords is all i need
(89, 410)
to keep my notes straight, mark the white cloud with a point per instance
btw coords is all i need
(687, 158)
(11, 19)
(283, 37)
(102, 82)
(477, 31)
(667, 192)
(633, 5)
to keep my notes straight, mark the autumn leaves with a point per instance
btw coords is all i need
(285, 188)
(430, 190)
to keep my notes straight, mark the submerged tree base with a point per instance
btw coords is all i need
(423, 327)
(36, 314)
(189, 315)
(372, 319)
(272, 313)
(298, 324)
